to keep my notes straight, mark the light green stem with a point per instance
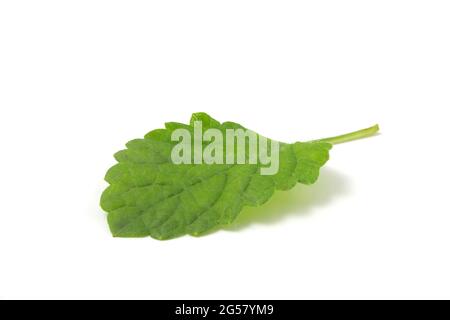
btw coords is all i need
(351, 136)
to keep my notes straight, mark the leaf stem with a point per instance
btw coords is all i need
(364, 133)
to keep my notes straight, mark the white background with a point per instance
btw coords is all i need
(78, 79)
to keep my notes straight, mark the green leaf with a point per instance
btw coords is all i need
(148, 195)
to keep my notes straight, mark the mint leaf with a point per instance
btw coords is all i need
(149, 195)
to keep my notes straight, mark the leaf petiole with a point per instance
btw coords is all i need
(364, 133)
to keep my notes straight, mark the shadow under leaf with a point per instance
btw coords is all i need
(301, 200)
